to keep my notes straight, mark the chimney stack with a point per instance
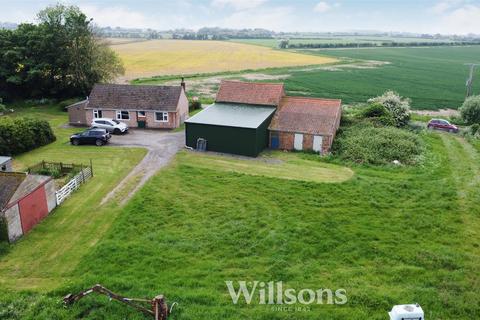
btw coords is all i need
(183, 84)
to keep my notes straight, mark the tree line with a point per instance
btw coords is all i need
(60, 56)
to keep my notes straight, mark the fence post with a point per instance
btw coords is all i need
(83, 174)
(91, 168)
(43, 164)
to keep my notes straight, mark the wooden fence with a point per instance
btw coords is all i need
(63, 193)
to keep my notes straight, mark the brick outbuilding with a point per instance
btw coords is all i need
(302, 123)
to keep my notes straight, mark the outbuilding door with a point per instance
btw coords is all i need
(317, 143)
(298, 141)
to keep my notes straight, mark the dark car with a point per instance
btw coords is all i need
(441, 124)
(97, 137)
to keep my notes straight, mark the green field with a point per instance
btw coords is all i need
(386, 235)
(433, 78)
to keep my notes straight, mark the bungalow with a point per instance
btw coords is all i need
(25, 199)
(248, 117)
(160, 107)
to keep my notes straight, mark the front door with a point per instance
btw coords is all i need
(317, 143)
(274, 143)
(298, 142)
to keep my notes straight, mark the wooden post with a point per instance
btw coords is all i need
(83, 174)
(91, 168)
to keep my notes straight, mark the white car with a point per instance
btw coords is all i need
(111, 125)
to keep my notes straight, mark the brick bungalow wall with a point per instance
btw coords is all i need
(173, 120)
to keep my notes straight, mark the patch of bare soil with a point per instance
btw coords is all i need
(366, 64)
(207, 87)
(438, 113)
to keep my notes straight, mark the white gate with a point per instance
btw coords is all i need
(317, 143)
(298, 142)
(74, 184)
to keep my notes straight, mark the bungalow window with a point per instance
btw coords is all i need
(123, 115)
(97, 114)
(161, 116)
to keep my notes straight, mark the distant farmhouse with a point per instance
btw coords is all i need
(160, 107)
(248, 117)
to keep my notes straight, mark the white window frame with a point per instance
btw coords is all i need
(164, 116)
(119, 115)
(142, 113)
(96, 113)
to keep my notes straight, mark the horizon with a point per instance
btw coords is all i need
(446, 17)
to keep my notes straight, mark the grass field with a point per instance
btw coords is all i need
(167, 57)
(386, 235)
(433, 78)
(45, 257)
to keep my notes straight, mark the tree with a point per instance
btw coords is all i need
(58, 57)
(470, 110)
(283, 44)
(398, 107)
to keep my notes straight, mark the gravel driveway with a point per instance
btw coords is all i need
(162, 147)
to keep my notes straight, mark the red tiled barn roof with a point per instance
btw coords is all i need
(307, 115)
(250, 92)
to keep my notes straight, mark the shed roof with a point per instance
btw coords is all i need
(233, 115)
(28, 185)
(257, 93)
(9, 183)
(307, 115)
(81, 104)
(4, 159)
(133, 97)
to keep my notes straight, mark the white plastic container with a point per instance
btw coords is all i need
(407, 312)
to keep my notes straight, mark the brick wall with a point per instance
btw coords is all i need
(173, 119)
(286, 141)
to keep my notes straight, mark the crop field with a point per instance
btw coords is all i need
(177, 57)
(433, 78)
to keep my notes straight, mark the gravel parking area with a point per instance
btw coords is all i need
(162, 147)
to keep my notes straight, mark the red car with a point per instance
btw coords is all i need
(441, 124)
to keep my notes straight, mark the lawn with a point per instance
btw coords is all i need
(433, 78)
(45, 257)
(387, 236)
(179, 57)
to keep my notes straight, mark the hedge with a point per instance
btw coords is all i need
(18, 135)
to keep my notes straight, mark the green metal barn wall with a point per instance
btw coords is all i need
(242, 141)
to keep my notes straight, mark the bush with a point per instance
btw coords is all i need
(364, 143)
(195, 105)
(470, 110)
(398, 107)
(3, 108)
(377, 114)
(19, 135)
(474, 129)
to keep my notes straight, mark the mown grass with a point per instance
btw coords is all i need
(271, 164)
(387, 236)
(44, 258)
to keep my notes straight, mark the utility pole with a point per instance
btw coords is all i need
(470, 78)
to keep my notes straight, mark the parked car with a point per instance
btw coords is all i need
(97, 137)
(111, 125)
(441, 124)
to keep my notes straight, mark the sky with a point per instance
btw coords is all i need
(418, 16)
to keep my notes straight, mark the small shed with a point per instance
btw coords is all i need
(231, 128)
(25, 199)
(76, 113)
(5, 164)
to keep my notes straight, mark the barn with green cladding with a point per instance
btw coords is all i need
(248, 117)
(238, 121)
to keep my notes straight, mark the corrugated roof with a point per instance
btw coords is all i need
(82, 104)
(257, 93)
(307, 115)
(9, 183)
(133, 97)
(233, 115)
(28, 185)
